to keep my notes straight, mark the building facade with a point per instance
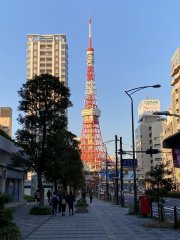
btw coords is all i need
(6, 120)
(175, 91)
(148, 136)
(172, 125)
(47, 54)
(11, 179)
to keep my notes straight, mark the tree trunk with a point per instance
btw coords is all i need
(55, 186)
(41, 189)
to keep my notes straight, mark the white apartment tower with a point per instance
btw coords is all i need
(148, 135)
(47, 54)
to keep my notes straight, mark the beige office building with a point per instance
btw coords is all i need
(47, 54)
(148, 136)
(6, 120)
(172, 125)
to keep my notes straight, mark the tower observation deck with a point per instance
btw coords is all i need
(93, 151)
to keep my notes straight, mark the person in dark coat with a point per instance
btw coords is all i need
(90, 197)
(71, 200)
(37, 195)
(64, 202)
(60, 201)
(54, 203)
(49, 195)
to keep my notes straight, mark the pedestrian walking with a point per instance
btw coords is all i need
(90, 197)
(49, 195)
(71, 200)
(37, 195)
(84, 194)
(64, 202)
(59, 201)
(54, 203)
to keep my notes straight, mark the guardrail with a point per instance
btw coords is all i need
(167, 214)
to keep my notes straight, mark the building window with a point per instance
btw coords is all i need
(150, 128)
(158, 159)
(156, 138)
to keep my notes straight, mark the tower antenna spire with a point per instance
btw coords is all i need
(90, 33)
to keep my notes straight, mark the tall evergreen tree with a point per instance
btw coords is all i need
(44, 102)
(63, 162)
(160, 181)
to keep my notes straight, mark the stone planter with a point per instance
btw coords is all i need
(81, 210)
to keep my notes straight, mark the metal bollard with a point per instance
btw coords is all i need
(175, 218)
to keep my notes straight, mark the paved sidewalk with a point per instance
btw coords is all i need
(103, 221)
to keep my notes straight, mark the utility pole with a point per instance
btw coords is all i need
(117, 187)
(107, 178)
(121, 174)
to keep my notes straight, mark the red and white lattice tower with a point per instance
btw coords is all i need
(93, 152)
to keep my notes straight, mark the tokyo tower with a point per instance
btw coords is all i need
(93, 152)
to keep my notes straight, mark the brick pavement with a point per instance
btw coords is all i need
(103, 221)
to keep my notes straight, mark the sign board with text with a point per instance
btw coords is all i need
(129, 163)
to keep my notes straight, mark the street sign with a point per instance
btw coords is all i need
(129, 163)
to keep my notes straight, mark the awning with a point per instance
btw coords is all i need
(172, 141)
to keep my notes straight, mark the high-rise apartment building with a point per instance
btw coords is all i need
(47, 54)
(175, 92)
(172, 126)
(6, 120)
(148, 135)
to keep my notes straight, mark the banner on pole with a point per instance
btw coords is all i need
(176, 157)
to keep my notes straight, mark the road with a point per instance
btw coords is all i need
(170, 202)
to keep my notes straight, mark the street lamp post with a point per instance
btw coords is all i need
(107, 183)
(116, 179)
(121, 173)
(129, 93)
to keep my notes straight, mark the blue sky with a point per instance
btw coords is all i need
(133, 40)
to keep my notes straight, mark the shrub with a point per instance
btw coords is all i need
(5, 198)
(29, 198)
(81, 203)
(37, 210)
(9, 232)
(6, 216)
(173, 194)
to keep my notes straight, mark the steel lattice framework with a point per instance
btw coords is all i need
(93, 152)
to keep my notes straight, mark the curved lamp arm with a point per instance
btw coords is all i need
(133, 90)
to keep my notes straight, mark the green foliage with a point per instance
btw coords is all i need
(29, 198)
(10, 232)
(173, 194)
(44, 102)
(63, 162)
(160, 180)
(5, 198)
(81, 203)
(38, 210)
(43, 106)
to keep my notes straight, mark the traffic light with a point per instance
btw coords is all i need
(152, 151)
